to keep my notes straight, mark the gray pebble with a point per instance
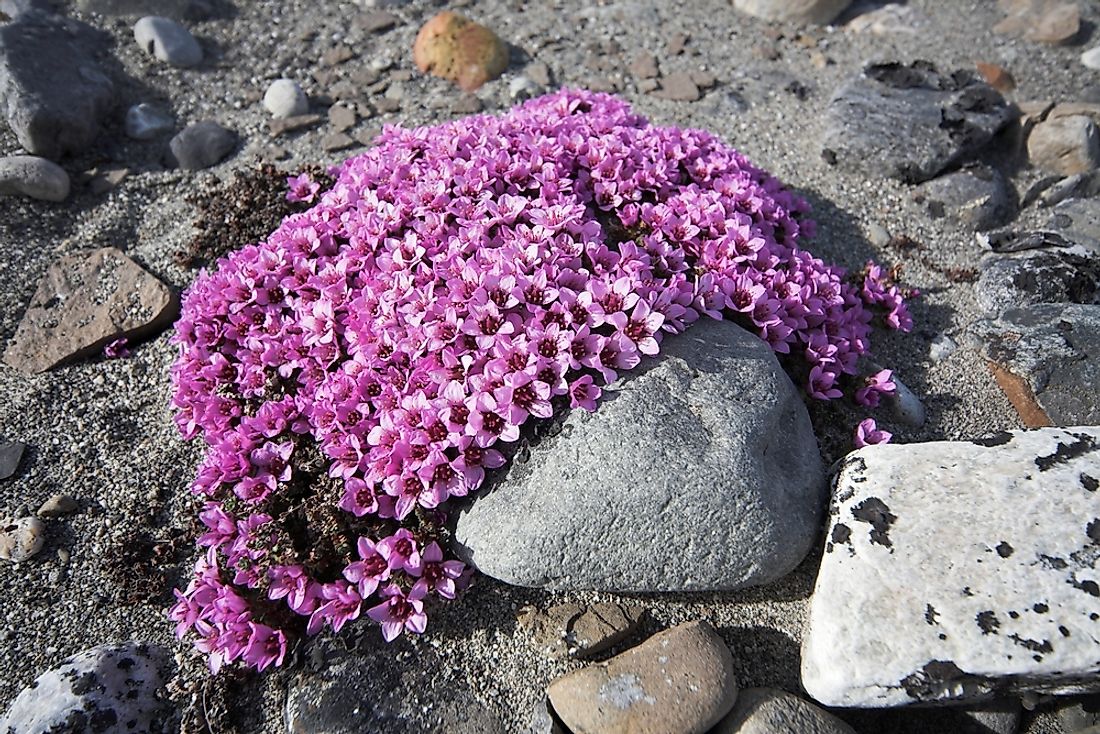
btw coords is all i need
(1091, 58)
(38, 178)
(59, 504)
(878, 235)
(905, 406)
(285, 98)
(941, 348)
(168, 41)
(10, 454)
(22, 539)
(521, 88)
(202, 145)
(145, 122)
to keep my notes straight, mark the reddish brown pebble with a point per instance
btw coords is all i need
(996, 76)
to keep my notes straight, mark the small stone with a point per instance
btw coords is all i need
(522, 88)
(22, 539)
(766, 51)
(648, 85)
(582, 630)
(539, 73)
(455, 48)
(878, 235)
(820, 12)
(84, 302)
(58, 505)
(388, 105)
(10, 454)
(680, 680)
(888, 20)
(1091, 58)
(168, 41)
(976, 196)
(365, 136)
(34, 177)
(55, 92)
(279, 128)
(1014, 518)
(285, 98)
(996, 76)
(111, 688)
(337, 141)
(337, 55)
(146, 121)
(677, 43)
(1079, 714)
(942, 347)
(678, 87)
(375, 21)
(467, 104)
(904, 405)
(1081, 186)
(601, 84)
(1042, 21)
(202, 145)
(644, 65)
(107, 180)
(342, 117)
(1065, 145)
(704, 79)
(771, 711)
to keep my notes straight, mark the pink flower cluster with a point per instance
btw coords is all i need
(456, 283)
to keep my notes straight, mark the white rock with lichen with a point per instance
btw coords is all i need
(21, 540)
(957, 570)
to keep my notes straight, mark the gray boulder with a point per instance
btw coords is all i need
(202, 145)
(104, 689)
(1044, 276)
(976, 196)
(700, 471)
(38, 178)
(909, 121)
(1055, 350)
(53, 92)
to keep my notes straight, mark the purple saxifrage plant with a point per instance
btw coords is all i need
(373, 357)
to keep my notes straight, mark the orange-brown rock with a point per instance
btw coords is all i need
(996, 76)
(454, 47)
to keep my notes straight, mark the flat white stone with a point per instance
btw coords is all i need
(960, 570)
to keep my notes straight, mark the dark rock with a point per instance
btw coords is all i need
(679, 457)
(998, 717)
(1043, 276)
(145, 122)
(1055, 350)
(1079, 713)
(909, 121)
(84, 302)
(977, 196)
(10, 454)
(771, 711)
(202, 145)
(54, 93)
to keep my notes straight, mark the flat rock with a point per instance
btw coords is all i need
(1050, 275)
(83, 302)
(145, 121)
(37, 178)
(793, 11)
(678, 87)
(53, 91)
(709, 446)
(1079, 713)
(22, 539)
(1042, 21)
(1065, 145)
(1054, 349)
(680, 680)
(772, 711)
(1078, 221)
(104, 689)
(886, 20)
(581, 630)
(419, 693)
(976, 196)
(11, 452)
(909, 121)
(168, 41)
(959, 571)
(58, 505)
(202, 145)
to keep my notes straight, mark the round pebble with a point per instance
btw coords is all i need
(22, 539)
(905, 406)
(1091, 58)
(168, 41)
(38, 178)
(285, 98)
(59, 504)
(145, 122)
(202, 145)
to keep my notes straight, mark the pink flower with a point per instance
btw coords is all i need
(301, 188)
(401, 552)
(868, 434)
(371, 570)
(874, 387)
(400, 612)
(116, 349)
(436, 574)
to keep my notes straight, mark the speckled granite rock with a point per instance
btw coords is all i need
(680, 680)
(700, 472)
(82, 303)
(104, 689)
(959, 571)
(1054, 349)
(910, 122)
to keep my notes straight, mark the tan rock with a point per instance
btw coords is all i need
(677, 682)
(455, 48)
(1065, 145)
(83, 302)
(580, 630)
(996, 76)
(22, 539)
(1043, 21)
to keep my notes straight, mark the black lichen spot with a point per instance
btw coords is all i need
(875, 512)
(1094, 616)
(1014, 615)
(1063, 630)
(1089, 587)
(967, 592)
(930, 614)
(103, 720)
(1053, 562)
(1041, 608)
(988, 622)
(1093, 530)
(85, 684)
(125, 663)
(841, 533)
(1033, 645)
(1004, 550)
(1000, 438)
(924, 683)
(1037, 658)
(942, 636)
(1089, 483)
(1067, 452)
